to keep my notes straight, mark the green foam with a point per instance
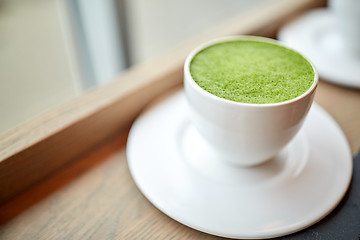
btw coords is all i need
(252, 72)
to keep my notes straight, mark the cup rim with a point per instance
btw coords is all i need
(195, 51)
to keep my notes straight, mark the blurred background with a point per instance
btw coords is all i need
(53, 50)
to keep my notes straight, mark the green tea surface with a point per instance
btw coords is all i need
(252, 72)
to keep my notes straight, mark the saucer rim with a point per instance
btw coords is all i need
(183, 221)
(299, 27)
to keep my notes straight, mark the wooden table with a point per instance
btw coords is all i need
(92, 195)
(95, 197)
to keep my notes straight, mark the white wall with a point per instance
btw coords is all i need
(159, 25)
(35, 66)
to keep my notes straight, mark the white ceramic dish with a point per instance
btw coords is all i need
(245, 134)
(174, 168)
(316, 36)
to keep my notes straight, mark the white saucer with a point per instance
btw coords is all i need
(174, 168)
(316, 36)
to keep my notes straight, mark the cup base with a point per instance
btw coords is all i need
(198, 151)
(206, 161)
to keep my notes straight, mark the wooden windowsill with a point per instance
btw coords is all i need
(65, 176)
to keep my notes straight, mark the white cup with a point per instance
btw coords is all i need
(347, 19)
(241, 133)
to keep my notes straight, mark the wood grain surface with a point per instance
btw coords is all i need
(96, 198)
(344, 106)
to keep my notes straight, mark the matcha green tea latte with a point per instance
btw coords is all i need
(250, 71)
